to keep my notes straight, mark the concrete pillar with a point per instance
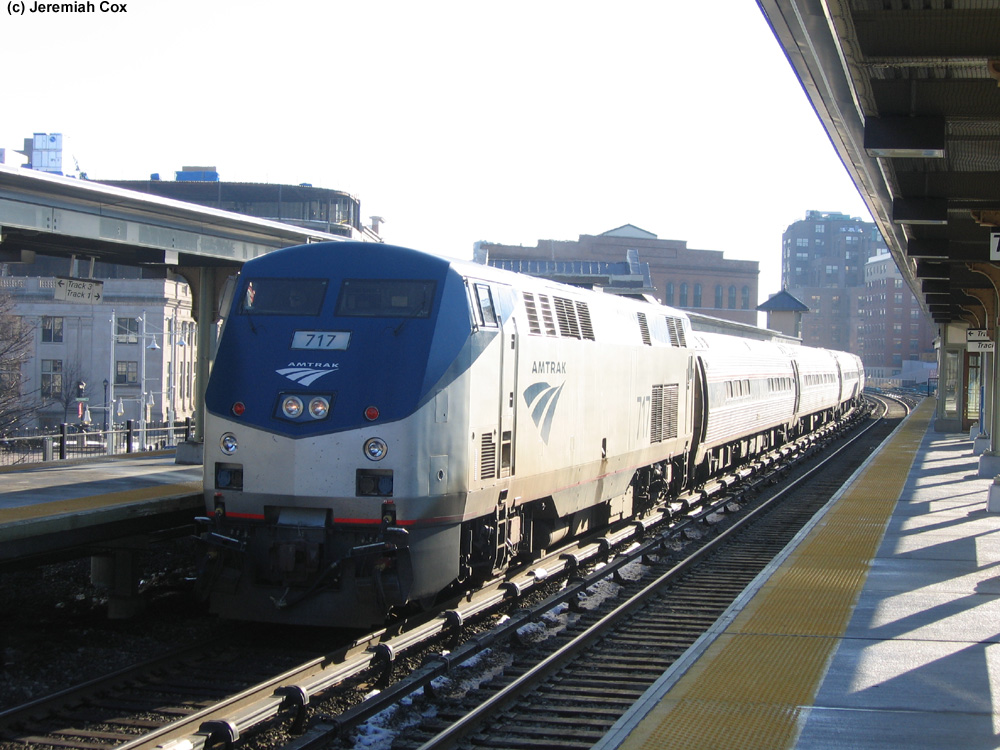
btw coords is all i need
(205, 308)
(117, 572)
(981, 442)
(993, 499)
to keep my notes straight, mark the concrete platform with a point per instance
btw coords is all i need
(49, 510)
(878, 628)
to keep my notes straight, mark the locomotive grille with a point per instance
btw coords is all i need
(663, 413)
(547, 317)
(676, 331)
(487, 457)
(529, 307)
(644, 329)
(572, 317)
(566, 315)
(586, 327)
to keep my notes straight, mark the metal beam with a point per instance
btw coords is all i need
(925, 211)
(905, 137)
(927, 269)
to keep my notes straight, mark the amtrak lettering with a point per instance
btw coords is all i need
(316, 365)
(548, 368)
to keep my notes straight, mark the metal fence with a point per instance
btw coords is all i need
(71, 442)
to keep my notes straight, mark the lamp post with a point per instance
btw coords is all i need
(142, 382)
(171, 377)
(166, 396)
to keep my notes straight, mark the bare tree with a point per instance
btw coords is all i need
(72, 380)
(17, 338)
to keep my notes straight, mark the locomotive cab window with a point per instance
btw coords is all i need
(283, 297)
(386, 298)
(485, 311)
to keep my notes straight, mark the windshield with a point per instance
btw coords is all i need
(386, 298)
(283, 296)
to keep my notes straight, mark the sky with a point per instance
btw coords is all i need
(455, 121)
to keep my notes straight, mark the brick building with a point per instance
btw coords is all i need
(699, 280)
(894, 330)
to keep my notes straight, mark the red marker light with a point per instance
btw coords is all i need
(239, 408)
(371, 413)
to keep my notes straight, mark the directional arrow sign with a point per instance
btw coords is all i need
(86, 291)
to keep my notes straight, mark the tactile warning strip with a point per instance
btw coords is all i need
(95, 502)
(753, 684)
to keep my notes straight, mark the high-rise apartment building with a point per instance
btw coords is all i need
(839, 266)
(823, 264)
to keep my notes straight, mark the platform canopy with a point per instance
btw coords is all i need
(55, 215)
(908, 93)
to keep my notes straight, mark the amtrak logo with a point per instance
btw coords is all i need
(306, 373)
(542, 398)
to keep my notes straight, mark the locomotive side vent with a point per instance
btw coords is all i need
(547, 317)
(663, 413)
(487, 457)
(675, 326)
(566, 315)
(570, 319)
(675, 339)
(529, 306)
(656, 415)
(644, 329)
(586, 327)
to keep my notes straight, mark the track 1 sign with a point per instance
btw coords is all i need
(86, 291)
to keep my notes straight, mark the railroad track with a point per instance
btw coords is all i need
(608, 656)
(212, 697)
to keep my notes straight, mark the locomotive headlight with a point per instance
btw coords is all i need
(229, 444)
(292, 406)
(375, 449)
(319, 407)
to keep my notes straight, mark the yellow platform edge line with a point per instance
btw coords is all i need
(92, 502)
(754, 684)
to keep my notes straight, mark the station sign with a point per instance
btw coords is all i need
(978, 340)
(86, 291)
(994, 245)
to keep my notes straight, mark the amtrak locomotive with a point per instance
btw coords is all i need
(383, 424)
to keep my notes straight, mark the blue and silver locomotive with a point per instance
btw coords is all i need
(383, 424)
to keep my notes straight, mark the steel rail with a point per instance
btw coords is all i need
(292, 691)
(549, 665)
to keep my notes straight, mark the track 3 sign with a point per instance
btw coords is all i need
(86, 291)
